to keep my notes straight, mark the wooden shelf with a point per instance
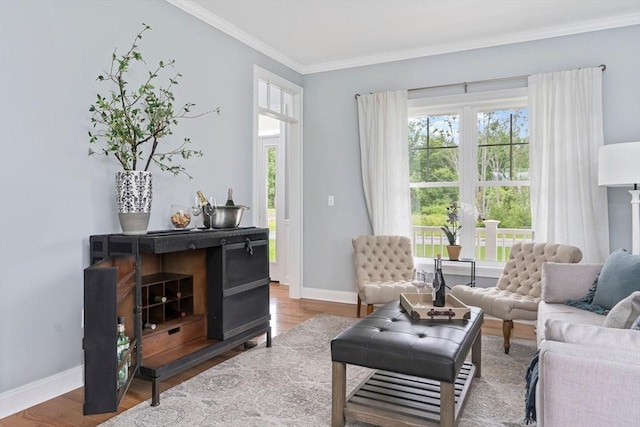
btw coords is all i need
(166, 357)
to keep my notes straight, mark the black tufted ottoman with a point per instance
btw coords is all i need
(422, 373)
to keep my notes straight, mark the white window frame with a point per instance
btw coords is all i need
(294, 222)
(465, 105)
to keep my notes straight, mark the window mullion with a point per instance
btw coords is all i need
(468, 173)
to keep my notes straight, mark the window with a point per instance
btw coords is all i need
(472, 149)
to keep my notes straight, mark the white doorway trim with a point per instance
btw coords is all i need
(293, 152)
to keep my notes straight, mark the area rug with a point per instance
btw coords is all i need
(289, 384)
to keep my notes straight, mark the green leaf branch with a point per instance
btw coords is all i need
(129, 125)
(453, 220)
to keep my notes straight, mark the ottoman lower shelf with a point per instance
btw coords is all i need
(389, 398)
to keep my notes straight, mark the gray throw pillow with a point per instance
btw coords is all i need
(620, 276)
(623, 314)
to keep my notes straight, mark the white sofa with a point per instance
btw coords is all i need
(589, 375)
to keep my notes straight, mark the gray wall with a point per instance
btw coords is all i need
(53, 196)
(331, 148)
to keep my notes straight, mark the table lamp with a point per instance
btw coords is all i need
(619, 166)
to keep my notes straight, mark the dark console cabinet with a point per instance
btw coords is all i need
(206, 291)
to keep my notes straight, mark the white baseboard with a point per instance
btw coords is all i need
(31, 394)
(329, 295)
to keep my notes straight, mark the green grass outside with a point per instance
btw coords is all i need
(272, 241)
(431, 251)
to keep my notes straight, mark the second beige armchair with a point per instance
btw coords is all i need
(517, 293)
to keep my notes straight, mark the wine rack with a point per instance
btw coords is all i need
(166, 296)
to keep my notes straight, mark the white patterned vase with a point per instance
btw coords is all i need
(133, 200)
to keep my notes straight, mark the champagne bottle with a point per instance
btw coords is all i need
(122, 345)
(229, 198)
(439, 285)
(203, 200)
(207, 209)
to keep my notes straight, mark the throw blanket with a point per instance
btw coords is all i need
(530, 392)
(586, 303)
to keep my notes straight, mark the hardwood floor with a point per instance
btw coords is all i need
(66, 410)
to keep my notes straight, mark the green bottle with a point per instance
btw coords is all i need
(230, 198)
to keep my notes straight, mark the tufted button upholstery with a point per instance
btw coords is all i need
(384, 268)
(390, 340)
(517, 293)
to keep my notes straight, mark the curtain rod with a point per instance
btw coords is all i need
(603, 66)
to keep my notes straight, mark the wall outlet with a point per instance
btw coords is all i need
(331, 201)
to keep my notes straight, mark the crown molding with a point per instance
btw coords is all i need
(226, 27)
(543, 33)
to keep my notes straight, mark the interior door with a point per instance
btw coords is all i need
(272, 171)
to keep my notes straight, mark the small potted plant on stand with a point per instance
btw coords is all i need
(452, 230)
(130, 124)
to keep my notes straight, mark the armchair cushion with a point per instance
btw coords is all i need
(618, 279)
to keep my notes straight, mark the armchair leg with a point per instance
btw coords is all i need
(358, 308)
(369, 309)
(507, 326)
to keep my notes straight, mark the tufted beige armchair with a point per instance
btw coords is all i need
(517, 293)
(384, 269)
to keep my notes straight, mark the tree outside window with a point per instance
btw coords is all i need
(496, 184)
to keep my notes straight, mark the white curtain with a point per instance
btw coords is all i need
(565, 122)
(384, 154)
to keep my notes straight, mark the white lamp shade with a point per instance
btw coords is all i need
(619, 164)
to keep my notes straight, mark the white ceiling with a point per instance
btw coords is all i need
(319, 35)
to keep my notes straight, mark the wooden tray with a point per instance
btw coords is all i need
(420, 306)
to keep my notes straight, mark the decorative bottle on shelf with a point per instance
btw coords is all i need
(438, 285)
(229, 198)
(172, 313)
(158, 298)
(148, 325)
(207, 209)
(122, 345)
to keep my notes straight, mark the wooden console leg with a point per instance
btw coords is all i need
(476, 354)
(338, 393)
(155, 392)
(507, 326)
(447, 404)
(269, 337)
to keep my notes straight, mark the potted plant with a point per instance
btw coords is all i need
(129, 126)
(452, 230)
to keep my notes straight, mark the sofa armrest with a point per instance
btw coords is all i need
(562, 282)
(587, 386)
